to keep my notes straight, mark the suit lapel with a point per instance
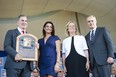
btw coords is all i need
(95, 37)
(96, 34)
(17, 31)
(88, 38)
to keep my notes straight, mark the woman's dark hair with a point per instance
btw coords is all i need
(36, 69)
(53, 31)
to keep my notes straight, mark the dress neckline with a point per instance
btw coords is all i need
(45, 41)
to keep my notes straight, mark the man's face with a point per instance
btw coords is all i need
(22, 23)
(91, 22)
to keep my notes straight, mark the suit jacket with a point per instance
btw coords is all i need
(102, 46)
(10, 48)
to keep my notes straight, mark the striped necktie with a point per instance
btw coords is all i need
(92, 36)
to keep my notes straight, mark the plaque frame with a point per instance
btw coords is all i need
(26, 47)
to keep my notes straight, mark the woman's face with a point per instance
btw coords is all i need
(71, 28)
(48, 28)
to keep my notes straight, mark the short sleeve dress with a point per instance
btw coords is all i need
(47, 58)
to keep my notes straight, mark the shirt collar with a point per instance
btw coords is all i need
(20, 30)
(93, 29)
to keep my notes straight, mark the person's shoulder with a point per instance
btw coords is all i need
(101, 28)
(11, 30)
(79, 36)
(56, 37)
(87, 35)
(67, 39)
(40, 39)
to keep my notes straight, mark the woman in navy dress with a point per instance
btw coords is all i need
(75, 53)
(49, 47)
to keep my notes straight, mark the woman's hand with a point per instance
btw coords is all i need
(65, 70)
(37, 45)
(87, 66)
(56, 68)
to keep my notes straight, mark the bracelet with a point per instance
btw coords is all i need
(58, 62)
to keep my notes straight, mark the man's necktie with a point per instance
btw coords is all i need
(22, 32)
(92, 36)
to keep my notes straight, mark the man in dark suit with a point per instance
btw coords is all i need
(100, 48)
(15, 66)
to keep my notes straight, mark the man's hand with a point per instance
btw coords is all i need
(18, 58)
(110, 60)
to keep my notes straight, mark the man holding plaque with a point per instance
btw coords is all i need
(15, 66)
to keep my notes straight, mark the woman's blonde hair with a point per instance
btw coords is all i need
(66, 30)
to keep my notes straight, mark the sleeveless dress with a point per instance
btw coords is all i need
(75, 63)
(47, 58)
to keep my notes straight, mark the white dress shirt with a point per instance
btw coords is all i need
(20, 30)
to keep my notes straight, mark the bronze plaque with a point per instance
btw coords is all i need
(26, 47)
